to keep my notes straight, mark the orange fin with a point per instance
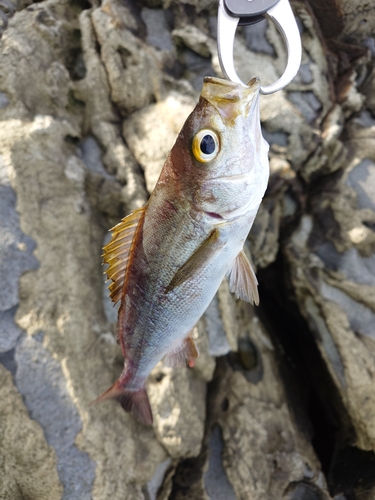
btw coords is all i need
(242, 280)
(196, 261)
(185, 350)
(134, 402)
(117, 252)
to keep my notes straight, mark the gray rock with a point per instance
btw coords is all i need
(27, 462)
(256, 39)
(158, 34)
(361, 318)
(157, 480)
(16, 250)
(307, 103)
(215, 479)
(127, 61)
(40, 380)
(218, 343)
(92, 100)
(362, 180)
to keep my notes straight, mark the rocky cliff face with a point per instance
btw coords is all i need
(281, 403)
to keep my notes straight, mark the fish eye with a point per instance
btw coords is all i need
(205, 145)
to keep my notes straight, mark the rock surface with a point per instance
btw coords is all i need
(27, 462)
(281, 403)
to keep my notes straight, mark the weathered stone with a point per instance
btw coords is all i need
(195, 39)
(59, 300)
(92, 98)
(41, 382)
(158, 34)
(178, 399)
(216, 480)
(27, 462)
(199, 5)
(263, 450)
(16, 258)
(127, 61)
(332, 275)
(101, 119)
(151, 133)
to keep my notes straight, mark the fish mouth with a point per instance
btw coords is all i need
(230, 99)
(228, 85)
(234, 177)
(214, 215)
(226, 216)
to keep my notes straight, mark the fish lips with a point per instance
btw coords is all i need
(230, 99)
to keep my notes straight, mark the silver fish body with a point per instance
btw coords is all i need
(188, 237)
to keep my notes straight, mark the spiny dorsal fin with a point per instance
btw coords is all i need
(117, 251)
(182, 352)
(196, 262)
(242, 280)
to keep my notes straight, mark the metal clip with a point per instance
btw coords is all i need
(234, 12)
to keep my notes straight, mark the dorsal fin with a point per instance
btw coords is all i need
(117, 251)
(242, 280)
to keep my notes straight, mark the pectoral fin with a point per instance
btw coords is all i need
(196, 262)
(184, 351)
(242, 280)
(118, 251)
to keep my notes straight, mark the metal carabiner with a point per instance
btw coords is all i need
(250, 11)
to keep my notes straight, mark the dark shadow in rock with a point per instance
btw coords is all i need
(353, 474)
(74, 58)
(247, 360)
(314, 398)
(8, 361)
(188, 479)
(306, 491)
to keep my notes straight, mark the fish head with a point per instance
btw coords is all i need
(220, 156)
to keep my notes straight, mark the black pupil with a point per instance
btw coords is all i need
(208, 145)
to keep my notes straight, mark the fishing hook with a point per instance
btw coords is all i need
(234, 12)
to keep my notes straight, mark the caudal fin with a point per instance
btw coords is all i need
(134, 402)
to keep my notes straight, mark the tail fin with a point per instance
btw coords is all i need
(134, 402)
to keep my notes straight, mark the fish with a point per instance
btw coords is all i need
(167, 259)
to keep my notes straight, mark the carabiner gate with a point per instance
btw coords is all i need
(280, 12)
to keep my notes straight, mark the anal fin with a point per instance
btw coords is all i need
(242, 280)
(182, 352)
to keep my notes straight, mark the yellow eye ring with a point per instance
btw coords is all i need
(206, 145)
